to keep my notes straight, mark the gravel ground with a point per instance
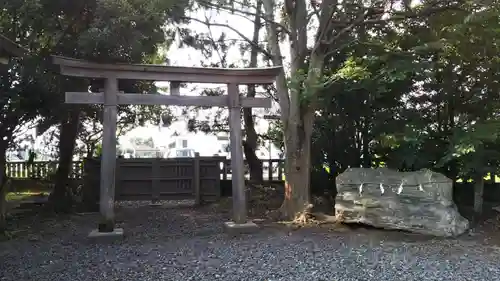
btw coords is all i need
(183, 243)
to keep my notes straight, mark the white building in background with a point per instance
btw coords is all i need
(188, 143)
(131, 150)
(177, 141)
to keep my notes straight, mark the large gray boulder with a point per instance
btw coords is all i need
(420, 202)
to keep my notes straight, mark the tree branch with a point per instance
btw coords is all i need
(331, 52)
(324, 22)
(411, 14)
(281, 84)
(248, 40)
(207, 22)
(364, 18)
(361, 18)
(232, 10)
(315, 12)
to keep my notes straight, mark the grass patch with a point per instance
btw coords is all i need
(18, 196)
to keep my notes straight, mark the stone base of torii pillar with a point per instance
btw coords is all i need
(116, 234)
(233, 228)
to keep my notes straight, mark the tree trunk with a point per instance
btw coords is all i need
(3, 192)
(479, 179)
(250, 144)
(478, 194)
(367, 161)
(297, 99)
(90, 150)
(6, 133)
(61, 197)
(297, 168)
(254, 163)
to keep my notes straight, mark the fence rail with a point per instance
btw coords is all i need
(40, 169)
(26, 176)
(273, 169)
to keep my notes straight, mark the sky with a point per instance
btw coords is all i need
(190, 57)
(205, 144)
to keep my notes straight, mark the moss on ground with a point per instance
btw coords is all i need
(19, 196)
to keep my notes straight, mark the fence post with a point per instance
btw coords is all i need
(90, 192)
(117, 178)
(280, 170)
(225, 164)
(269, 170)
(155, 182)
(196, 179)
(478, 194)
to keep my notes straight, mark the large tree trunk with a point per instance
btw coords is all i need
(3, 191)
(298, 134)
(297, 98)
(250, 144)
(62, 197)
(297, 167)
(6, 134)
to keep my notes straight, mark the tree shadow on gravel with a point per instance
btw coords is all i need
(141, 222)
(263, 199)
(174, 220)
(179, 231)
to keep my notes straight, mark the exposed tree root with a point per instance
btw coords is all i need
(6, 235)
(309, 218)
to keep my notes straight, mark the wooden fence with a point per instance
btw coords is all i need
(158, 179)
(273, 169)
(40, 169)
(27, 175)
(463, 193)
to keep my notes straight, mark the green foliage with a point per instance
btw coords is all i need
(422, 96)
(98, 150)
(353, 70)
(128, 31)
(108, 31)
(275, 134)
(308, 83)
(22, 97)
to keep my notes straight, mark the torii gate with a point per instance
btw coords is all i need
(111, 98)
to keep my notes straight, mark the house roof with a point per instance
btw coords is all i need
(10, 49)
